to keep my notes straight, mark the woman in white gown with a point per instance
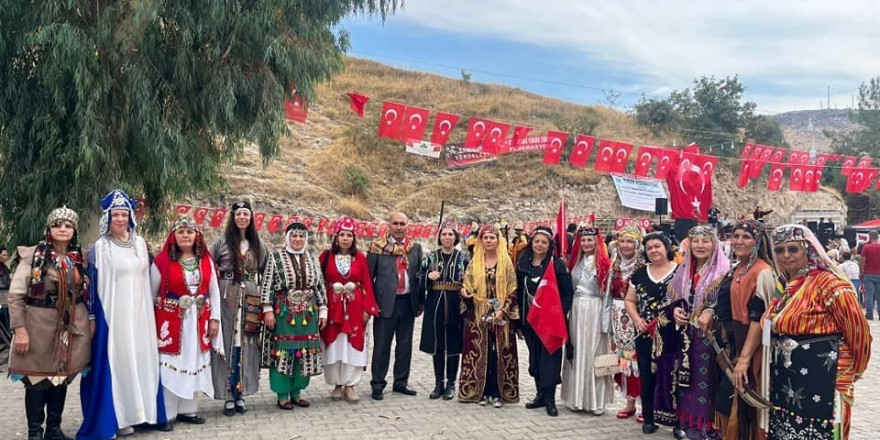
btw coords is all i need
(590, 265)
(184, 282)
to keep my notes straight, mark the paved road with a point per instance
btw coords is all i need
(404, 417)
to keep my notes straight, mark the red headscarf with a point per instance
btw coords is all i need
(603, 263)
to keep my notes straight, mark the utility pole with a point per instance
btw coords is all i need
(829, 97)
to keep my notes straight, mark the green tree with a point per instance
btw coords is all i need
(152, 96)
(863, 140)
(712, 112)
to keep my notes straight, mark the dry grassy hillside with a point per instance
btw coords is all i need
(309, 176)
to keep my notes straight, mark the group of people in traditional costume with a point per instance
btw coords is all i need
(768, 345)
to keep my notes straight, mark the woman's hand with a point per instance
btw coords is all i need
(499, 315)
(213, 328)
(22, 342)
(680, 316)
(434, 276)
(465, 293)
(269, 319)
(705, 321)
(640, 324)
(322, 322)
(740, 373)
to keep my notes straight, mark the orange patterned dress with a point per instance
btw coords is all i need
(820, 308)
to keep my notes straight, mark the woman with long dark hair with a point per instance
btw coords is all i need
(442, 276)
(350, 304)
(544, 366)
(240, 256)
(644, 304)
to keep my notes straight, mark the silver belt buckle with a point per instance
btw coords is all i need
(185, 302)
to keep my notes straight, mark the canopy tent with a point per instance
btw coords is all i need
(870, 224)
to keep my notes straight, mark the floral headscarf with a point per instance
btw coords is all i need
(717, 265)
(816, 256)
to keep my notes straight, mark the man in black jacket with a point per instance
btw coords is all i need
(394, 262)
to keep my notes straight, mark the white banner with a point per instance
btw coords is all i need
(638, 192)
(424, 148)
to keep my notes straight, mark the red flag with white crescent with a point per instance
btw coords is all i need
(357, 103)
(798, 157)
(443, 125)
(520, 132)
(258, 220)
(217, 217)
(777, 172)
(415, 121)
(848, 163)
(690, 192)
(860, 179)
(391, 122)
(743, 179)
(760, 159)
(796, 179)
(555, 144)
(477, 129)
(667, 158)
(546, 315)
(580, 154)
(621, 157)
(644, 157)
(605, 156)
(747, 151)
(199, 215)
(495, 137)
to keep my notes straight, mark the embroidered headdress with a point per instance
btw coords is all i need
(243, 204)
(762, 245)
(816, 256)
(344, 224)
(452, 227)
(117, 200)
(61, 214)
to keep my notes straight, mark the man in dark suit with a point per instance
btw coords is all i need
(394, 262)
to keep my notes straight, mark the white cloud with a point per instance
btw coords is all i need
(795, 47)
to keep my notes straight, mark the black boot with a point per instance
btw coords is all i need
(34, 406)
(550, 402)
(537, 402)
(439, 364)
(54, 409)
(451, 375)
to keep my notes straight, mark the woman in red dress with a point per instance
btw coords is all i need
(350, 304)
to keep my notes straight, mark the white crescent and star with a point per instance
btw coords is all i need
(495, 133)
(390, 120)
(414, 125)
(776, 174)
(445, 126)
(621, 155)
(479, 127)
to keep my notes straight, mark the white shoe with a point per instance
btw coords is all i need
(484, 401)
(125, 432)
(497, 403)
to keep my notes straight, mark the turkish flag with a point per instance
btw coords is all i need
(822, 159)
(621, 157)
(583, 145)
(811, 183)
(778, 155)
(864, 162)
(706, 163)
(743, 180)
(860, 179)
(414, 123)
(520, 132)
(477, 129)
(667, 158)
(605, 156)
(777, 171)
(644, 157)
(392, 120)
(443, 125)
(690, 192)
(183, 210)
(295, 109)
(796, 180)
(747, 151)
(555, 143)
(766, 152)
(546, 315)
(275, 223)
(817, 179)
(494, 139)
(798, 157)
(692, 148)
(848, 163)
(217, 217)
(200, 214)
(358, 102)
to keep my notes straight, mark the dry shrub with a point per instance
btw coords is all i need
(352, 207)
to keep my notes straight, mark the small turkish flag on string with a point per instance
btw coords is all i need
(546, 315)
(583, 145)
(747, 151)
(200, 214)
(621, 157)
(183, 210)
(477, 129)
(643, 160)
(294, 107)
(493, 140)
(555, 143)
(848, 163)
(520, 132)
(743, 180)
(798, 157)
(414, 123)
(810, 181)
(778, 155)
(860, 179)
(605, 156)
(777, 172)
(275, 223)
(864, 162)
(823, 159)
(392, 120)
(443, 125)
(358, 102)
(796, 180)
(258, 220)
(667, 158)
(217, 217)
(766, 152)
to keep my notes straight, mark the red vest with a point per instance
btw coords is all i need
(169, 315)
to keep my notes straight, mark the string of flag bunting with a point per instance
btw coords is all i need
(487, 139)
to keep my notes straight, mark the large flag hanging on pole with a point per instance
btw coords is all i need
(545, 315)
(562, 241)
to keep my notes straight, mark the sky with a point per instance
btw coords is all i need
(786, 53)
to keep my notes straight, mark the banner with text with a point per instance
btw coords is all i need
(638, 193)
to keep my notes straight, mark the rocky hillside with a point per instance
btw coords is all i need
(321, 168)
(796, 127)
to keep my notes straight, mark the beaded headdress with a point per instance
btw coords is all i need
(242, 205)
(117, 200)
(702, 230)
(185, 222)
(789, 233)
(543, 230)
(588, 231)
(344, 224)
(61, 214)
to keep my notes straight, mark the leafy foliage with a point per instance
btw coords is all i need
(357, 181)
(152, 96)
(712, 112)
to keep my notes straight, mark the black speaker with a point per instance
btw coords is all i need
(850, 235)
(682, 227)
(661, 206)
